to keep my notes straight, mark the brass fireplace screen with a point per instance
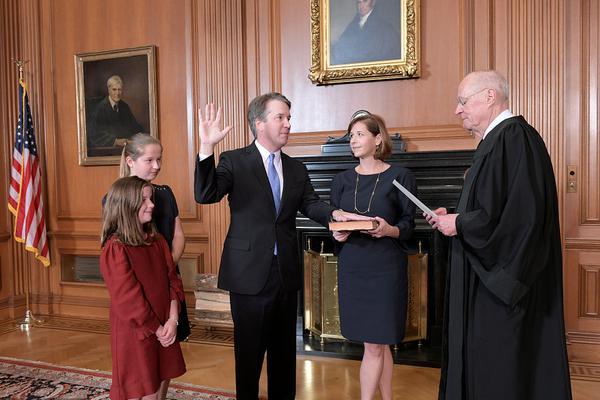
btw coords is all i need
(321, 312)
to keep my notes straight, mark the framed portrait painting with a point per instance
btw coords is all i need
(116, 98)
(364, 40)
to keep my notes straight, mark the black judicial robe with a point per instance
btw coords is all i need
(504, 328)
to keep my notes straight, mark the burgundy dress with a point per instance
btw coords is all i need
(141, 281)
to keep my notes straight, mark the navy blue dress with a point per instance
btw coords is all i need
(372, 273)
(165, 212)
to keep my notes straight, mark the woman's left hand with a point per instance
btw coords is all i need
(383, 229)
(341, 236)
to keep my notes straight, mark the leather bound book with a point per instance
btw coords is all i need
(353, 225)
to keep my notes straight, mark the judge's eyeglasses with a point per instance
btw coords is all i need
(462, 101)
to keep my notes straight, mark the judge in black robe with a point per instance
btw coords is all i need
(503, 328)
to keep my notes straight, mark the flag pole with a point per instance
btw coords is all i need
(29, 320)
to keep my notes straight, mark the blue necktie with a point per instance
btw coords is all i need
(274, 181)
(275, 185)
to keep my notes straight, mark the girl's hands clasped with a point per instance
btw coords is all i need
(167, 333)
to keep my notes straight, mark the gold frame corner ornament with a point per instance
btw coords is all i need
(408, 66)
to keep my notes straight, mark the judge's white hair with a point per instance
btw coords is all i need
(490, 79)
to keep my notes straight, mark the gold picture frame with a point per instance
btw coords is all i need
(116, 98)
(383, 48)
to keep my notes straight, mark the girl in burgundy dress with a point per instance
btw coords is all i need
(145, 292)
(142, 157)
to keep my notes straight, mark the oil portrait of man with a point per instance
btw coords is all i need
(370, 34)
(116, 99)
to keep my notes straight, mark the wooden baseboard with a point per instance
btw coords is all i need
(201, 332)
(585, 371)
(584, 355)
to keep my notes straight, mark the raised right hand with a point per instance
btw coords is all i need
(209, 129)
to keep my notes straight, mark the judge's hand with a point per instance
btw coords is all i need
(341, 236)
(443, 222)
(343, 216)
(431, 220)
(209, 128)
(383, 229)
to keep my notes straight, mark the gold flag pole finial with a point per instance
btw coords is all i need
(20, 64)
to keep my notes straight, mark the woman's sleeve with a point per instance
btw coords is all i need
(336, 192)
(406, 218)
(335, 198)
(172, 201)
(126, 294)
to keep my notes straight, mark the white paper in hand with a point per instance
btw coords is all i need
(412, 198)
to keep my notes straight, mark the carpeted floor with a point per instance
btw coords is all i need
(21, 379)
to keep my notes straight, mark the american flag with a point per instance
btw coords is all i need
(25, 190)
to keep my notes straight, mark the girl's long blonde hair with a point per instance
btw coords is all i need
(134, 148)
(120, 213)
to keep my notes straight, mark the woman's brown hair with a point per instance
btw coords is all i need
(120, 213)
(375, 125)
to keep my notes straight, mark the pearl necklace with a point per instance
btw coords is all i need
(370, 198)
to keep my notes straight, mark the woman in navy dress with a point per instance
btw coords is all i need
(372, 265)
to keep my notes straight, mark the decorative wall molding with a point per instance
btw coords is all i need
(535, 28)
(584, 371)
(196, 238)
(584, 358)
(220, 78)
(77, 235)
(582, 244)
(583, 338)
(67, 300)
(589, 149)
(420, 138)
(263, 46)
(589, 295)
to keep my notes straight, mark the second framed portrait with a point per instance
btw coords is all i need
(116, 98)
(362, 40)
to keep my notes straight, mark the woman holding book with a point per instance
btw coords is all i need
(372, 264)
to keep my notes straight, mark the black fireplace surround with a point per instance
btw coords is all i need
(439, 176)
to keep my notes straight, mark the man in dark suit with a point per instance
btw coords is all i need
(260, 264)
(112, 118)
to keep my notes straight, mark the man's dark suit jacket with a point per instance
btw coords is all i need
(248, 249)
